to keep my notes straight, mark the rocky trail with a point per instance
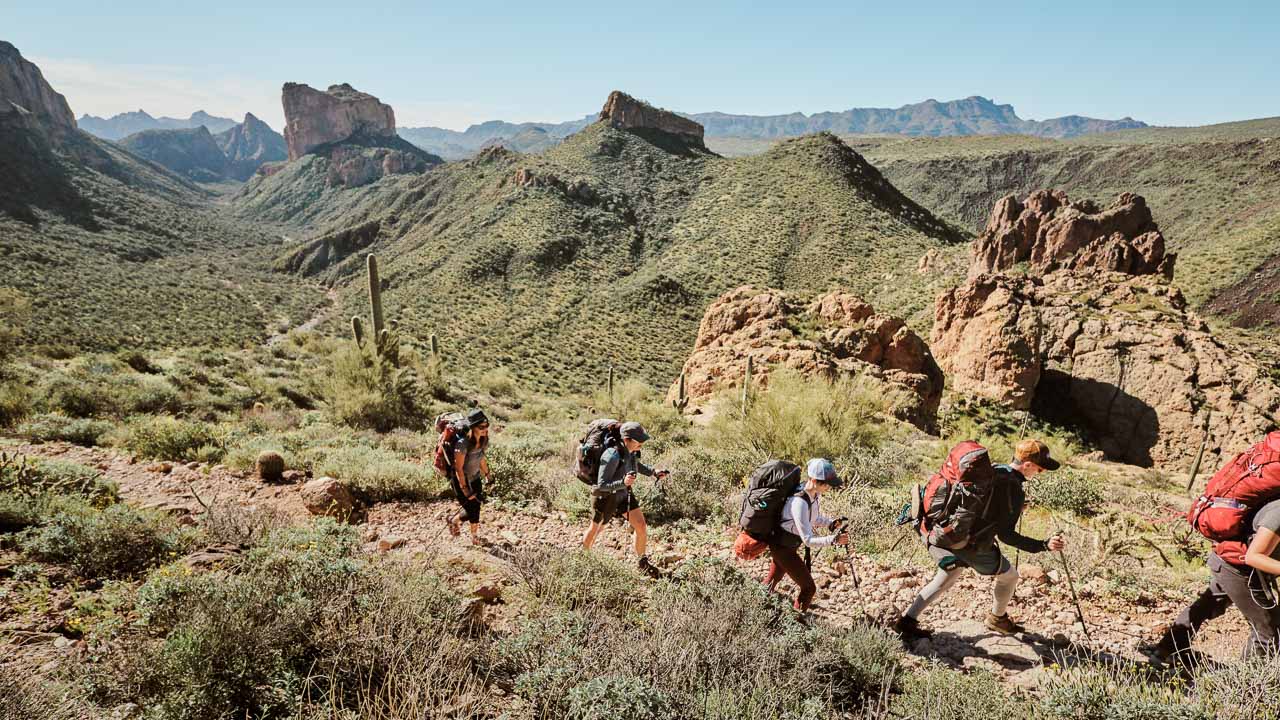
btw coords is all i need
(850, 586)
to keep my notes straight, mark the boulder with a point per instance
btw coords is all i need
(836, 334)
(329, 497)
(1049, 232)
(314, 118)
(23, 85)
(627, 113)
(1119, 355)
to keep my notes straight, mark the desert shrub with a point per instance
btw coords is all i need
(513, 474)
(1115, 692)
(499, 382)
(117, 541)
(368, 391)
(51, 427)
(940, 693)
(168, 438)
(871, 513)
(149, 395)
(137, 361)
(1241, 691)
(618, 696)
(695, 490)
(636, 401)
(796, 418)
(15, 311)
(76, 397)
(578, 580)
(36, 697)
(36, 476)
(378, 475)
(19, 511)
(1068, 489)
(232, 524)
(15, 401)
(890, 464)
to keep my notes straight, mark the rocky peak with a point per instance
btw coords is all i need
(1050, 232)
(314, 118)
(627, 113)
(836, 334)
(23, 85)
(250, 145)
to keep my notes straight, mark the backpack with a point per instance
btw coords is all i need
(768, 489)
(600, 434)
(966, 471)
(1225, 510)
(449, 426)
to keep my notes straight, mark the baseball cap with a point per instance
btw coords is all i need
(1037, 452)
(633, 431)
(823, 471)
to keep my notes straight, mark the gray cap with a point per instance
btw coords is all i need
(633, 431)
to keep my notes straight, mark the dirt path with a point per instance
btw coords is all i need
(850, 587)
(311, 323)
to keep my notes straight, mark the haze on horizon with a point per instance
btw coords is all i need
(449, 65)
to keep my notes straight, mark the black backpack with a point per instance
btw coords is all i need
(601, 434)
(767, 492)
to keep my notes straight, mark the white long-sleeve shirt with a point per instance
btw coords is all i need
(801, 515)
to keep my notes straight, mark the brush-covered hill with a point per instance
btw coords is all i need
(193, 154)
(606, 248)
(115, 252)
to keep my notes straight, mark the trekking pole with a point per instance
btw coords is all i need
(1195, 466)
(1074, 597)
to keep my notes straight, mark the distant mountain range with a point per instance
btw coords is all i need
(126, 124)
(971, 116)
(198, 155)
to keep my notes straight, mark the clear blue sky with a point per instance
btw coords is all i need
(450, 64)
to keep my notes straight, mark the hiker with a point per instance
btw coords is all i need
(469, 465)
(613, 492)
(1240, 510)
(800, 515)
(968, 505)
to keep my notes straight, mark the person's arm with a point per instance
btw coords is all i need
(1258, 556)
(459, 468)
(484, 468)
(644, 469)
(800, 516)
(605, 483)
(1009, 535)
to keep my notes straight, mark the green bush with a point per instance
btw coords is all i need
(50, 427)
(513, 474)
(499, 383)
(623, 697)
(940, 693)
(1115, 692)
(378, 475)
(1068, 489)
(118, 541)
(365, 390)
(15, 401)
(19, 511)
(1245, 690)
(695, 490)
(76, 397)
(168, 438)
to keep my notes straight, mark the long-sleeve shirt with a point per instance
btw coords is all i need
(615, 463)
(1001, 519)
(801, 515)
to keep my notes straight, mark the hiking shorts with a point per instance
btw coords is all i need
(612, 506)
(470, 507)
(985, 559)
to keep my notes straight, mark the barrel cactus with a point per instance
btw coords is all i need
(270, 466)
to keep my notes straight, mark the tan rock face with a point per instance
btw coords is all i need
(353, 166)
(329, 497)
(315, 118)
(22, 84)
(834, 335)
(1119, 355)
(1050, 232)
(627, 113)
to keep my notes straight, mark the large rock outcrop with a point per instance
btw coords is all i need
(1050, 232)
(834, 335)
(627, 113)
(249, 145)
(314, 118)
(23, 85)
(1118, 355)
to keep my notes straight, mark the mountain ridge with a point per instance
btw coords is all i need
(122, 125)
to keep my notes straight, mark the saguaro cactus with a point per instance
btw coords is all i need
(746, 385)
(682, 401)
(435, 347)
(357, 331)
(611, 384)
(375, 295)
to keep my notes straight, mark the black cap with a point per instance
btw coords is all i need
(476, 416)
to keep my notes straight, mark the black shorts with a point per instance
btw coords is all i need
(470, 507)
(613, 506)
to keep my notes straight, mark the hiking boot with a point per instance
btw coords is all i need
(908, 628)
(1003, 625)
(454, 525)
(649, 568)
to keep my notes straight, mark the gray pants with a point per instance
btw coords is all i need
(1229, 586)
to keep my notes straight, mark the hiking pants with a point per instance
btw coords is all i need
(1229, 586)
(785, 560)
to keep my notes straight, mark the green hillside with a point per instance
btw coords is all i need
(115, 252)
(611, 248)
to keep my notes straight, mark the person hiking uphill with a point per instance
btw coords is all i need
(469, 465)
(966, 508)
(1240, 511)
(614, 498)
(800, 515)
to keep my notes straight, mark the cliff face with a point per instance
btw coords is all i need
(22, 84)
(627, 113)
(314, 118)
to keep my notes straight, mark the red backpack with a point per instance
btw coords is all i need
(1224, 512)
(968, 467)
(448, 425)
